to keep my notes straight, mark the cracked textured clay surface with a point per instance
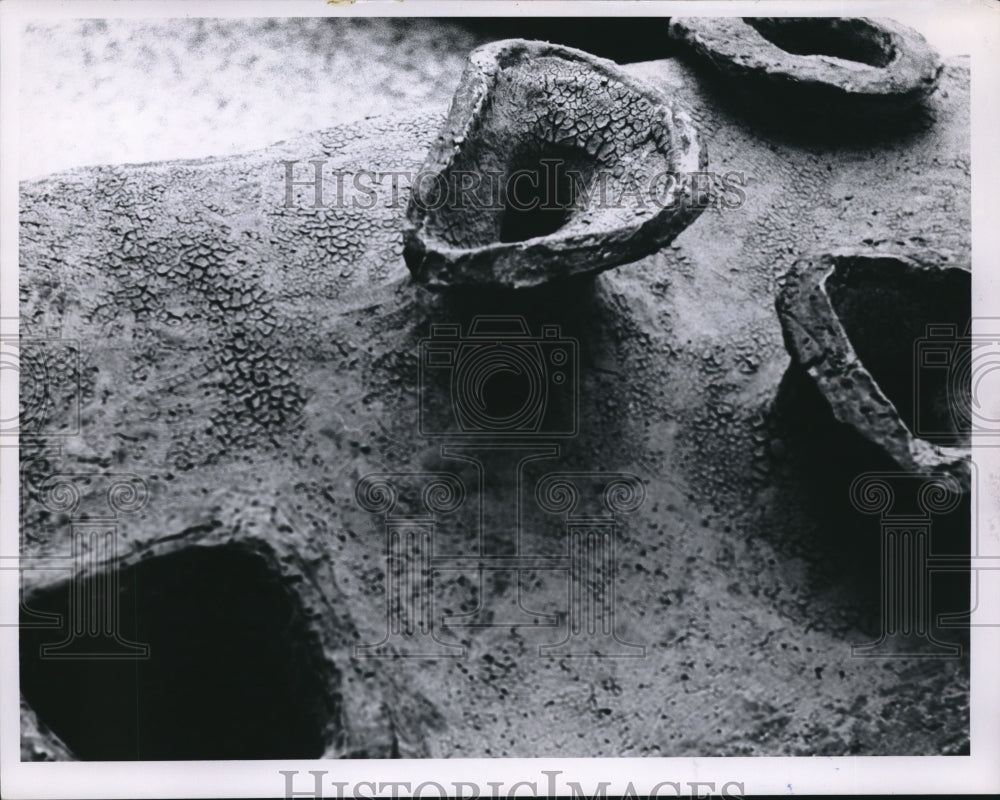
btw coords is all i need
(866, 68)
(519, 104)
(251, 360)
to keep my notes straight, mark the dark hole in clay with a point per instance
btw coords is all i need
(852, 40)
(506, 393)
(543, 198)
(885, 307)
(234, 672)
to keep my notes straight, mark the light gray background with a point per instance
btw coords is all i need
(131, 91)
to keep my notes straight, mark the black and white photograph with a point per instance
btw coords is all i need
(440, 399)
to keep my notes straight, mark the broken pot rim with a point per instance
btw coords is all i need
(687, 153)
(563, 245)
(811, 273)
(909, 52)
(488, 56)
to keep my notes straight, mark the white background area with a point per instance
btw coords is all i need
(136, 90)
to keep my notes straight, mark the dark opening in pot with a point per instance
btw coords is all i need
(849, 39)
(885, 308)
(234, 670)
